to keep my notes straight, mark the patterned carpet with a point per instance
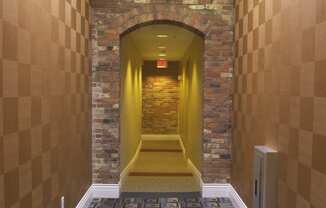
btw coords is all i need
(162, 202)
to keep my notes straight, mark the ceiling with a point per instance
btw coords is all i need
(147, 42)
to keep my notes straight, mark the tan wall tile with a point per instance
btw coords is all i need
(36, 141)
(37, 196)
(10, 152)
(10, 79)
(318, 189)
(302, 203)
(10, 115)
(307, 77)
(320, 41)
(319, 79)
(9, 41)
(10, 11)
(25, 180)
(1, 36)
(308, 44)
(24, 47)
(304, 181)
(24, 80)
(321, 11)
(305, 147)
(320, 116)
(307, 113)
(32, 89)
(11, 187)
(319, 153)
(2, 196)
(26, 202)
(291, 36)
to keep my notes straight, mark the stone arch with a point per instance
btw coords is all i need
(163, 21)
(217, 85)
(182, 15)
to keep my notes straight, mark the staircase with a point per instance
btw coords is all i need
(160, 167)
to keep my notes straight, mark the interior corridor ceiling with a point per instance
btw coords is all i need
(166, 40)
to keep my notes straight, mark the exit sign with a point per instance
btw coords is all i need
(162, 64)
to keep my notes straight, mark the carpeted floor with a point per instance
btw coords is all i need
(161, 178)
(162, 202)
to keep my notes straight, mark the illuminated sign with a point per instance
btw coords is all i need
(162, 64)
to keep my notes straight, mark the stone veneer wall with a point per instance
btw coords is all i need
(45, 103)
(280, 96)
(214, 20)
(160, 97)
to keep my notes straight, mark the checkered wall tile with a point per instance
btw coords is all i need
(280, 96)
(44, 102)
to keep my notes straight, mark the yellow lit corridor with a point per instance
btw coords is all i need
(161, 142)
(160, 166)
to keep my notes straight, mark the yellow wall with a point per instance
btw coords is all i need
(130, 113)
(190, 113)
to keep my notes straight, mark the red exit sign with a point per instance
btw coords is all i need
(162, 64)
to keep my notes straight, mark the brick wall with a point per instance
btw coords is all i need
(280, 97)
(213, 19)
(160, 97)
(45, 103)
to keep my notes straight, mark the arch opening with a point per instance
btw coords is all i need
(161, 105)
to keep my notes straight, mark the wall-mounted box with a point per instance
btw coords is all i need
(265, 177)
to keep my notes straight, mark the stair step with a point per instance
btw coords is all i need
(166, 174)
(160, 150)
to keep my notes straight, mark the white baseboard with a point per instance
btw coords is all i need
(208, 190)
(222, 190)
(87, 199)
(99, 191)
(106, 190)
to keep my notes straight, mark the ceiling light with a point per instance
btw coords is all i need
(162, 55)
(162, 36)
(162, 47)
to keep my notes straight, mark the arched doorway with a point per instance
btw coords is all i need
(161, 108)
(217, 85)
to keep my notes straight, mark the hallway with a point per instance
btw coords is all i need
(162, 103)
(160, 167)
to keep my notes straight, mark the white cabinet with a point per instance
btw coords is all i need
(265, 177)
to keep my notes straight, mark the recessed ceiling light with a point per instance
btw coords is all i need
(162, 55)
(162, 36)
(162, 47)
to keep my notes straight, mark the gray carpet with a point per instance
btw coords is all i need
(170, 200)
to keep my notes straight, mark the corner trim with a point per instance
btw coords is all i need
(223, 190)
(99, 191)
(132, 161)
(196, 172)
(236, 199)
(86, 200)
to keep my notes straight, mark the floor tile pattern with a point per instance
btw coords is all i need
(162, 202)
